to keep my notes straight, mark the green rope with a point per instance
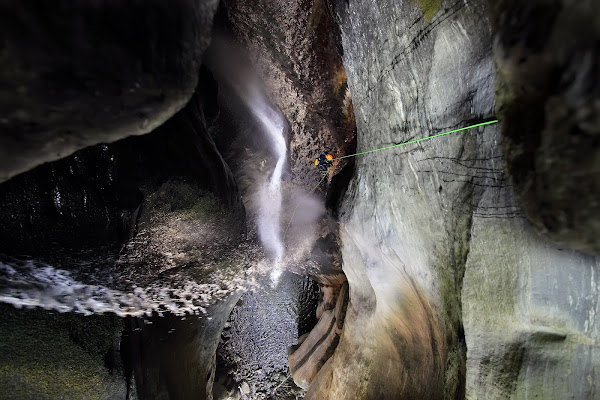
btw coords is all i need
(383, 148)
(418, 140)
(297, 204)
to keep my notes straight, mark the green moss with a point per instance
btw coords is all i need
(430, 8)
(206, 208)
(46, 355)
(493, 289)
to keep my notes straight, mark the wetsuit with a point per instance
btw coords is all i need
(323, 163)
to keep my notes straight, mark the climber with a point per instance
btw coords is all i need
(324, 161)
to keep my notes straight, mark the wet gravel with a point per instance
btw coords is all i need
(252, 356)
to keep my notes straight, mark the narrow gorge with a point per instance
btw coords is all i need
(172, 229)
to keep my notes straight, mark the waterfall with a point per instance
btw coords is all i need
(269, 219)
(232, 70)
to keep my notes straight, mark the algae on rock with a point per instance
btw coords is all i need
(49, 355)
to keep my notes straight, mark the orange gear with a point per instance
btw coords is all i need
(329, 157)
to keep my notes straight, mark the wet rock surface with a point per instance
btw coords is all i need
(294, 46)
(170, 356)
(94, 198)
(530, 315)
(451, 290)
(70, 82)
(405, 217)
(84, 208)
(548, 100)
(294, 50)
(316, 346)
(440, 260)
(147, 224)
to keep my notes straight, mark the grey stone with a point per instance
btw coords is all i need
(549, 104)
(245, 388)
(78, 73)
(415, 220)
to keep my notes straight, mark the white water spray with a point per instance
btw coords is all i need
(229, 61)
(269, 219)
(31, 284)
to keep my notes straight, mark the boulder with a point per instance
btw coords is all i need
(78, 73)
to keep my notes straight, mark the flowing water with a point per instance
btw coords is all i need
(269, 217)
(233, 72)
(29, 283)
(33, 284)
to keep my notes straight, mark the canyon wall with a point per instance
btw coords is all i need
(452, 292)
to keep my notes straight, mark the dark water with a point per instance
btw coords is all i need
(171, 357)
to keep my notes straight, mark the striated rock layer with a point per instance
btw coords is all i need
(316, 347)
(452, 293)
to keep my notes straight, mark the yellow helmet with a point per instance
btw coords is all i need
(329, 157)
(316, 161)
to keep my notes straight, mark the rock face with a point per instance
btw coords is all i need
(294, 47)
(452, 293)
(174, 357)
(549, 102)
(530, 312)
(316, 347)
(78, 73)
(264, 323)
(132, 212)
(107, 194)
(49, 355)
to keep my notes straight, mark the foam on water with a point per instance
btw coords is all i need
(34, 285)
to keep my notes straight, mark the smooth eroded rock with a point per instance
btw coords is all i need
(77, 73)
(548, 60)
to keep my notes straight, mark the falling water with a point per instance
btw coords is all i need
(269, 220)
(230, 66)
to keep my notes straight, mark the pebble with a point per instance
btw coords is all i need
(245, 388)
